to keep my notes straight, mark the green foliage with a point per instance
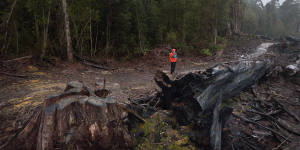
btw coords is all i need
(115, 28)
(272, 20)
(221, 40)
(129, 28)
(249, 21)
(214, 47)
(171, 38)
(206, 52)
(160, 128)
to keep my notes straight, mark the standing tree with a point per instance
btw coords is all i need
(6, 26)
(67, 30)
(236, 11)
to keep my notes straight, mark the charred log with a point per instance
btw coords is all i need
(203, 89)
(198, 96)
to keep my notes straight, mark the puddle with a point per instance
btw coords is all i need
(260, 50)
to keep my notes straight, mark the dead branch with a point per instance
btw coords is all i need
(289, 127)
(94, 65)
(282, 123)
(9, 141)
(133, 113)
(13, 75)
(258, 124)
(91, 63)
(280, 144)
(18, 59)
(287, 111)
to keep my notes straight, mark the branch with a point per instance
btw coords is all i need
(258, 124)
(14, 75)
(18, 59)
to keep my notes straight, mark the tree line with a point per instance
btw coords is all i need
(118, 28)
(273, 20)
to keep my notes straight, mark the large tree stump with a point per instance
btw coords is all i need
(75, 119)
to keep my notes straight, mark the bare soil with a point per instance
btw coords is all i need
(20, 97)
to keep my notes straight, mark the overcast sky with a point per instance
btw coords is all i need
(266, 1)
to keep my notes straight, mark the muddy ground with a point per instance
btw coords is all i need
(129, 80)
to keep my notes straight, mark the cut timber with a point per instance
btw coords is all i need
(75, 120)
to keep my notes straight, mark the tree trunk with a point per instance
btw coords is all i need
(215, 30)
(236, 11)
(298, 28)
(79, 39)
(59, 20)
(45, 36)
(96, 41)
(138, 26)
(108, 24)
(229, 29)
(215, 35)
(17, 34)
(67, 31)
(75, 120)
(91, 35)
(7, 24)
(183, 24)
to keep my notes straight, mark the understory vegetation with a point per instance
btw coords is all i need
(115, 28)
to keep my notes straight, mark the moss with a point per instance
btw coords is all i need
(159, 147)
(160, 135)
(182, 141)
(228, 102)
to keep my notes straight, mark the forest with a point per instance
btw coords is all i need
(129, 28)
(149, 74)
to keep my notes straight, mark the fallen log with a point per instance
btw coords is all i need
(203, 89)
(91, 63)
(216, 128)
(232, 82)
(197, 95)
(75, 119)
(94, 65)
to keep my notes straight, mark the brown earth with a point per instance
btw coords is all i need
(131, 79)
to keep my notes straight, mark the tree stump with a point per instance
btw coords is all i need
(75, 119)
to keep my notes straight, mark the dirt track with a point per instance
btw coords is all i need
(19, 97)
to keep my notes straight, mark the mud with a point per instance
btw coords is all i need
(21, 97)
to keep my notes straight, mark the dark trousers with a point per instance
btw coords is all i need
(173, 65)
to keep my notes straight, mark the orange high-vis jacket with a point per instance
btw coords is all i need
(171, 56)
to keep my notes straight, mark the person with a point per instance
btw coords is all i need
(173, 59)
